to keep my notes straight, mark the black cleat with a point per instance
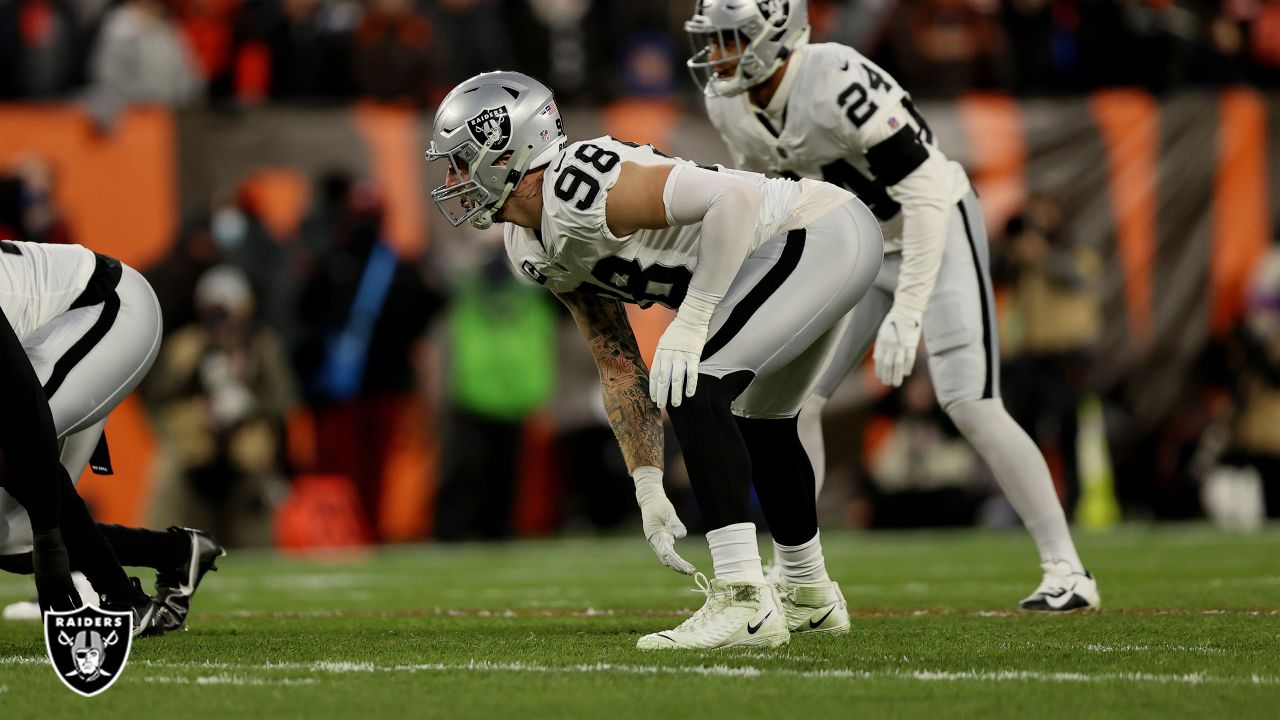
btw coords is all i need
(150, 617)
(175, 586)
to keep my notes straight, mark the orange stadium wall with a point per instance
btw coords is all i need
(1176, 194)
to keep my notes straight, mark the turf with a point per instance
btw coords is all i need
(1191, 628)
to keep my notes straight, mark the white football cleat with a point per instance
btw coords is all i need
(819, 608)
(1063, 590)
(29, 610)
(736, 614)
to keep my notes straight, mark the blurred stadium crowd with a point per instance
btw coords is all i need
(181, 52)
(437, 389)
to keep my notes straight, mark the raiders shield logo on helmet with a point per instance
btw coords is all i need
(491, 128)
(88, 647)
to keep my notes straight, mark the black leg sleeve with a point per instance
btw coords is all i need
(90, 552)
(783, 477)
(28, 441)
(714, 451)
(29, 469)
(139, 547)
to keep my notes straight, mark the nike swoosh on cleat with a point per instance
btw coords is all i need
(752, 630)
(813, 624)
(845, 66)
(664, 635)
(1062, 599)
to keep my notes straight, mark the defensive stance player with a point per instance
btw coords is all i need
(761, 273)
(80, 332)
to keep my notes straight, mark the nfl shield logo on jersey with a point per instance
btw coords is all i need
(491, 128)
(88, 647)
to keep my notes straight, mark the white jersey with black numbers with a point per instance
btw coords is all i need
(39, 282)
(574, 249)
(840, 118)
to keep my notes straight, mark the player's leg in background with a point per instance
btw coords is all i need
(851, 349)
(963, 348)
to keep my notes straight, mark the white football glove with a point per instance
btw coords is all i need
(896, 344)
(674, 373)
(661, 524)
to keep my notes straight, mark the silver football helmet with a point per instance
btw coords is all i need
(492, 129)
(738, 44)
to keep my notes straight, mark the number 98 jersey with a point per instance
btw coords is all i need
(574, 249)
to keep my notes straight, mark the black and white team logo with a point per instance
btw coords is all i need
(491, 128)
(88, 647)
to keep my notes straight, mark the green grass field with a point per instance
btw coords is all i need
(1191, 628)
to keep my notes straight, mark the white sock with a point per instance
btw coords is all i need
(1022, 474)
(802, 564)
(810, 429)
(734, 553)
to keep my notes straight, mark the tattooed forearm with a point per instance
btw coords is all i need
(636, 420)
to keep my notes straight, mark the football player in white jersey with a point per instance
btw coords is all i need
(761, 273)
(791, 108)
(79, 332)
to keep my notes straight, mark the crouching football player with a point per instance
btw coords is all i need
(761, 273)
(80, 332)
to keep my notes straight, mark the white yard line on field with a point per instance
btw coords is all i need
(237, 680)
(589, 612)
(726, 671)
(1197, 649)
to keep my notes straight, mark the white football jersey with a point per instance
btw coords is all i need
(842, 119)
(574, 249)
(39, 282)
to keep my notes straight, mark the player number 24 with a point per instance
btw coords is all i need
(860, 108)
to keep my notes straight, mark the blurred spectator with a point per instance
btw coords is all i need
(391, 57)
(10, 208)
(472, 37)
(311, 49)
(40, 50)
(501, 366)
(571, 44)
(142, 57)
(246, 242)
(27, 207)
(1053, 322)
(1250, 458)
(363, 312)
(193, 253)
(41, 219)
(948, 46)
(209, 29)
(1042, 43)
(220, 391)
(600, 488)
(922, 471)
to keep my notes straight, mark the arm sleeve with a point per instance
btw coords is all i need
(728, 207)
(922, 194)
